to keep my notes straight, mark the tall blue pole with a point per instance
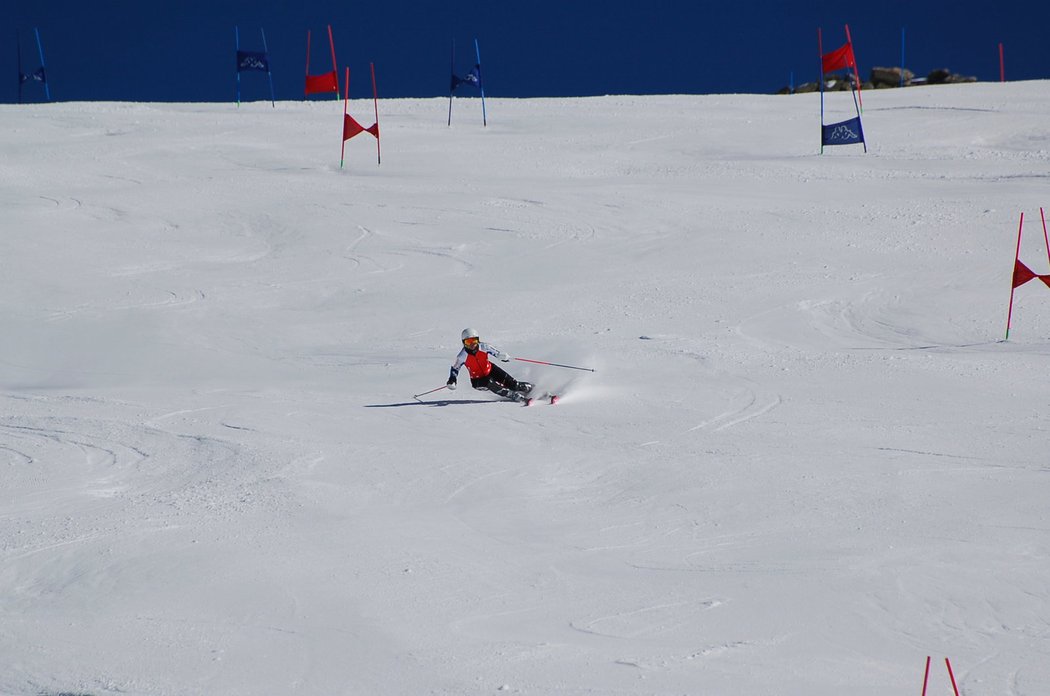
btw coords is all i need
(40, 47)
(269, 75)
(481, 84)
(237, 47)
(902, 56)
(18, 43)
(452, 76)
(820, 58)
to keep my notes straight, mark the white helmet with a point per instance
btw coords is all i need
(470, 339)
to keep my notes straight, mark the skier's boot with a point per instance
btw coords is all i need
(506, 393)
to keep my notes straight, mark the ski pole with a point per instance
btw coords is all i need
(544, 362)
(416, 396)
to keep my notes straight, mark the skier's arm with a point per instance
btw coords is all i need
(495, 352)
(453, 371)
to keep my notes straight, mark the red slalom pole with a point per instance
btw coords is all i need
(1017, 255)
(926, 676)
(856, 75)
(375, 103)
(1002, 65)
(951, 676)
(544, 362)
(1045, 237)
(335, 68)
(342, 150)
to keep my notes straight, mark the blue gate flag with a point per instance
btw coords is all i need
(38, 76)
(842, 133)
(252, 60)
(472, 78)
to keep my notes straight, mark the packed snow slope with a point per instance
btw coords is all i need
(805, 460)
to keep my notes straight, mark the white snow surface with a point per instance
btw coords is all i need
(805, 461)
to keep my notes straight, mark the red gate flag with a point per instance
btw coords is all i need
(326, 82)
(321, 84)
(1023, 274)
(350, 125)
(839, 58)
(843, 57)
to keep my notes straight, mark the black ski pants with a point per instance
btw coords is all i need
(495, 380)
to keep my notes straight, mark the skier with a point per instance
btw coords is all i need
(483, 374)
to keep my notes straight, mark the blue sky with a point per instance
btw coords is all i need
(165, 50)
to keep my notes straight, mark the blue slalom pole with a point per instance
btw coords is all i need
(902, 56)
(269, 75)
(481, 84)
(40, 47)
(237, 47)
(452, 74)
(18, 42)
(820, 57)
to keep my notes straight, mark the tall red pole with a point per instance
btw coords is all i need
(335, 68)
(1002, 65)
(1017, 255)
(1045, 237)
(375, 103)
(951, 676)
(926, 675)
(342, 130)
(853, 55)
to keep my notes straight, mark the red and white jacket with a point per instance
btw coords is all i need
(478, 363)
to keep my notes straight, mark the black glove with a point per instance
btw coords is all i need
(451, 383)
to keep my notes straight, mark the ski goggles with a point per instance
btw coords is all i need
(471, 342)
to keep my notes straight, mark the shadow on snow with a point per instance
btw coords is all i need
(442, 402)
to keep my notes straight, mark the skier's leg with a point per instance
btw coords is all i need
(488, 384)
(499, 375)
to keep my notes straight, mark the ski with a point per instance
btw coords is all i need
(550, 398)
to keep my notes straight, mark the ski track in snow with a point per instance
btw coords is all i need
(648, 620)
(751, 408)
